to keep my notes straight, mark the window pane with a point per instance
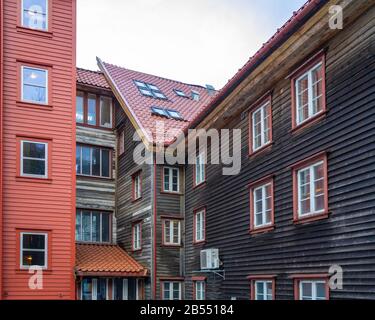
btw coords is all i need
(78, 225)
(86, 289)
(78, 160)
(79, 108)
(34, 167)
(167, 231)
(166, 290)
(166, 179)
(118, 289)
(175, 180)
(33, 241)
(33, 258)
(34, 14)
(95, 162)
(320, 291)
(86, 226)
(176, 225)
(101, 289)
(86, 160)
(106, 112)
(259, 289)
(34, 87)
(34, 150)
(91, 110)
(105, 227)
(176, 291)
(306, 288)
(95, 225)
(105, 163)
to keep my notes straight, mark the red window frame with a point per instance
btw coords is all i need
(134, 176)
(134, 224)
(296, 168)
(200, 279)
(171, 218)
(197, 210)
(309, 64)
(312, 277)
(255, 107)
(18, 246)
(252, 186)
(97, 125)
(262, 277)
(49, 158)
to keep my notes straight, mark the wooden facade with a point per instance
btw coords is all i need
(346, 134)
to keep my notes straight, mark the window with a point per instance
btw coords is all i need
(308, 91)
(79, 107)
(172, 232)
(311, 289)
(261, 127)
(137, 236)
(121, 142)
(171, 290)
(94, 289)
(180, 93)
(34, 86)
(94, 110)
(137, 185)
(93, 161)
(106, 112)
(200, 290)
(174, 114)
(262, 287)
(200, 172)
(93, 226)
(168, 113)
(34, 159)
(261, 205)
(195, 95)
(159, 112)
(127, 289)
(200, 226)
(171, 181)
(310, 188)
(34, 249)
(149, 90)
(35, 14)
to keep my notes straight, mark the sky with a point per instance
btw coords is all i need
(193, 41)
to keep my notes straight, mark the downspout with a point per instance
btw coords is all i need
(154, 229)
(1, 144)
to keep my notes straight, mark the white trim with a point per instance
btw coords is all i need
(22, 18)
(46, 84)
(45, 250)
(45, 176)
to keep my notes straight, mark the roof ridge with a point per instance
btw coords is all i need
(88, 70)
(153, 75)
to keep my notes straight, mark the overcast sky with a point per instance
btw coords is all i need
(194, 41)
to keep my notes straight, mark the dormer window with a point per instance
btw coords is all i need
(149, 90)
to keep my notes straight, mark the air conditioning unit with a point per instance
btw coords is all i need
(210, 259)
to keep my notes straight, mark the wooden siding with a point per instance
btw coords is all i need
(346, 238)
(27, 203)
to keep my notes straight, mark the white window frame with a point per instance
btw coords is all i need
(137, 188)
(309, 92)
(200, 293)
(200, 169)
(312, 189)
(264, 202)
(46, 85)
(81, 146)
(169, 238)
(47, 17)
(199, 233)
(137, 236)
(313, 288)
(45, 250)
(94, 289)
(263, 116)
(101, 213)
(100, 112)
(170, 284)
(264, 284)
(170, 179)
(45, 176)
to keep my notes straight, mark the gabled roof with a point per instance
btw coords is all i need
(106, 260)
(138, 106)
(92, 78)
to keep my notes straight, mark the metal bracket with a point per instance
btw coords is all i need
(219, 273)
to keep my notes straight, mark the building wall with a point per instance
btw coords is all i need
(28, 203)
(346, 237)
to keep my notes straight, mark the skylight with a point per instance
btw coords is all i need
(168, 113)
(174, 114)
(195, 95)
(180, 93)
(149, 90)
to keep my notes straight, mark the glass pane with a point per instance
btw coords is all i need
(86, 151)
(34, 14)
(269, 290)
(78, 160)
(86, 226)
(34, 167)
(79, 109)
(106, 112)
(78, 226)
(167, 231)
(176, 291)
(166, 179)
(34, 94)
(91, 110)
(86, 289)
(118, 289)
(33, 241)
(105, 227)
(176, 232)
(34, 150)
(101, 289)
(320, 291)
(259, 289)
(95, 161)
(95, 225)
(33, 258)
(105, 163)
(306, 288)
(132, 289)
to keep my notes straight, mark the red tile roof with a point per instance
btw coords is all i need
(106, 260)
(92, 78)
(122, 80)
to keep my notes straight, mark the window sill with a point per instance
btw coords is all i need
(261, 150)
(33, 179)
(95, 177)
(175, 246)
(136, 200)
(93, 126)
(26, 270)
(311, 218)
(35, 32)
(136, 250)
(31, 105)
(308, 123)
(172, 193)
(200, 185)
(261, 230)
(199, 243)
